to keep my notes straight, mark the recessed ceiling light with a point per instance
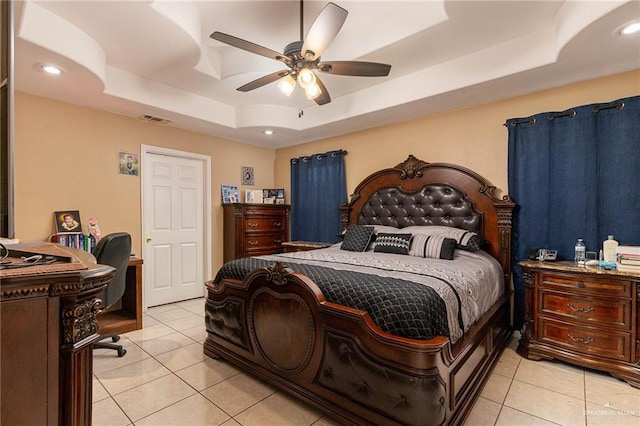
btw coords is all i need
(268, 132)
(51, 69)
(630, 29)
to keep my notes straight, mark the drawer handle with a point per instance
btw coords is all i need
(580, 339)
(278, 240)
(580, 284)
(252, 242)
(278, 224)
(252, 224)
(580, 309)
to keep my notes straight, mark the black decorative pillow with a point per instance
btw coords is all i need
(433, 246)
(472, 242)
(393, 243)
(357, 238)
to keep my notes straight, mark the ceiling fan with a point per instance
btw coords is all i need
(303, 57)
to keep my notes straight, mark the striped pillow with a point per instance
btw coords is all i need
(433, 246)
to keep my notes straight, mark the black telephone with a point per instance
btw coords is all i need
(549, 255)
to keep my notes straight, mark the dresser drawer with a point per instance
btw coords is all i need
(264, 224)
(596, 311)
(253, 243)
(605, 343)
(586, 284)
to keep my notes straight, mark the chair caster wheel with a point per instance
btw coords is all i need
(121, 352)
(115, 338)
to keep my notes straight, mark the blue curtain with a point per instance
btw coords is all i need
(574, 174)
(318, 189)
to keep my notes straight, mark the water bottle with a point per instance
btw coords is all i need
(581, 250)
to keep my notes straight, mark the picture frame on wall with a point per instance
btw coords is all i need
(128, 163)
(247, 175)
(67, 221)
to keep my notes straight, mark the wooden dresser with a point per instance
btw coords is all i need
(254, 229)
(582, 315)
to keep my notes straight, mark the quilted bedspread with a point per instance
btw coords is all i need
(405, 296)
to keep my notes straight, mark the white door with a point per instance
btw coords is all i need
(173, 226)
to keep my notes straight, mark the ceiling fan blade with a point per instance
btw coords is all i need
(262, 81)
(323, 31)
(355, 68)
(323, 98)
(250, 47)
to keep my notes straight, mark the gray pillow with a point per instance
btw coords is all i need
(357, 238)
(433, 246)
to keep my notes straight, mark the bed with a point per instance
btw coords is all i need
(284, 319)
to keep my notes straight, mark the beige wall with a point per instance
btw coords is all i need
(66, 159)
(66, 155)
(473, 137)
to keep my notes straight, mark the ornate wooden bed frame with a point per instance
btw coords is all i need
(277, 324)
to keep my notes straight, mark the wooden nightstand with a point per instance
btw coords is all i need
(293, 246)
(582, 315)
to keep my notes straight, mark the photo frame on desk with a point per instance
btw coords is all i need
(230, 194)
(67, 221)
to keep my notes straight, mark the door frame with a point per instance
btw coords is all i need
(206, 206)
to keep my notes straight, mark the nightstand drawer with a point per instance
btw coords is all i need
(264, 224)
(592, 310)
(595, 285)
(604, 343)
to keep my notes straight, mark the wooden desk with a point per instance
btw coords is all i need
(48, 329)
(128, 315)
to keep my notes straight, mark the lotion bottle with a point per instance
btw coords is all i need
(609, 247)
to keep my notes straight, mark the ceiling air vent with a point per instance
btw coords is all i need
(153, 119)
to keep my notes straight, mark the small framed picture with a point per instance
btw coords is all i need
(247, 176)
(128, 163)
(230, 194)
(253, 196)
(68, 221)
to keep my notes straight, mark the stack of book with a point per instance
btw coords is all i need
(628, 258)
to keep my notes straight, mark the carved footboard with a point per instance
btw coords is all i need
(278, 325)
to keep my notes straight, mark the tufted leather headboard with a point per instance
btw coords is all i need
(433, 204)
(419, 193)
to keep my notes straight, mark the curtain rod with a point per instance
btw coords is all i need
(306, 158)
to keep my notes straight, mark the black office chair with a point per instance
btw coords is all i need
(113, 250)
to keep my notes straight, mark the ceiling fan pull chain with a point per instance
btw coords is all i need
(300, 113)
(301, 20)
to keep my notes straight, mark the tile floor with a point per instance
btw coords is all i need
(165, 379)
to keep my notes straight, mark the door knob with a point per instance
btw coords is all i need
(148, 239)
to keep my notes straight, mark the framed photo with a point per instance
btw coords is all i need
(247, 176)
(128, 163)
(230, 194)
(251, 196)
(68, 221)
(269, 200)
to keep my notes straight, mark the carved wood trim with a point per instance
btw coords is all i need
(79, 321)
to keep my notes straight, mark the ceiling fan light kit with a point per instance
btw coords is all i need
(302, 57)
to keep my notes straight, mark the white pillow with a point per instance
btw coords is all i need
(466, 240)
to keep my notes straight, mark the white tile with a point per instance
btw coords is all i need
(511, 417)
(546, 404)
(508, 363)
(185, 356)
(99, 392)
(558, 378)
(207, 373)
(238, 393)
(605, 416)
(279, 409)
(132, 375)
(483, 413)
(613, 394)
(198, 334)
(166, 343)
(153, 396)
(149, 333)
(107, 413)
(188, 322)
(161, 308)
(195, 410)
(170, 315)
(107, 359)
(496, 388)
